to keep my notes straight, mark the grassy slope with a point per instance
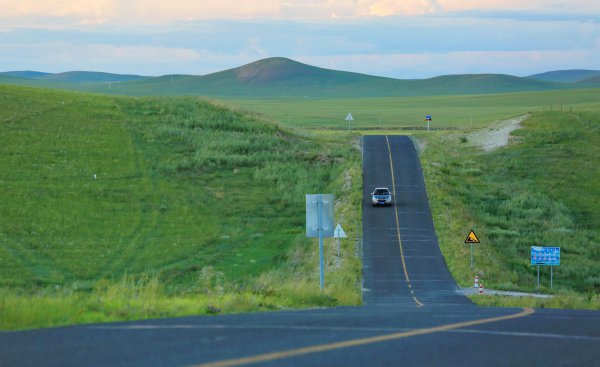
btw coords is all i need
(447, 111)
(192, 204)
(544, 190)
(566, 76)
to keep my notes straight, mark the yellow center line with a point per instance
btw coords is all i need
(358, 342)
(419, 304)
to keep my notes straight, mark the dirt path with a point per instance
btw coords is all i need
(497, 135)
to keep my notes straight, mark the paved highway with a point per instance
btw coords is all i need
(412, 314)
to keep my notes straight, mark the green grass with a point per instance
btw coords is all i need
(448, 112)
(543, 190)
(100, 192)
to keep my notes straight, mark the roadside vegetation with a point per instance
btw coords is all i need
(543, 189)
(118, 208)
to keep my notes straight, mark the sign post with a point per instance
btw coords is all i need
(428, 119)
(471, 239)
(319, 223)
(339, 233)
(545, 256)
(349, 118)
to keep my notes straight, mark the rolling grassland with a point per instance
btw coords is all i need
(543, 189)
(393, 113)
(116, 208)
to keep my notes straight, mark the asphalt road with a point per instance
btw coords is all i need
(412, 314)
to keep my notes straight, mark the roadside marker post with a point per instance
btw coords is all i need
(319, 223)
(338, 233)
(476, 281)
(349, 118)
(471, 239)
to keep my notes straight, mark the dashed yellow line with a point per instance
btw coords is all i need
(412, 293)
(268, 357)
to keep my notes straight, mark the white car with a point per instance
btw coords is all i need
(381, 196)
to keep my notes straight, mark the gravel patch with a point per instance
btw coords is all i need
(497, 135)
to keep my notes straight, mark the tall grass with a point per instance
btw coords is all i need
(116, 207)
(541, 190)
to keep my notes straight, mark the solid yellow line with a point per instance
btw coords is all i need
(419, 304)
(358, 342)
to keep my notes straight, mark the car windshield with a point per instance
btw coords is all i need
(381, 192)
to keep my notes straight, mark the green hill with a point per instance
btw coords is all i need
(89, 77)
(566, 76)
(284, 78)
(542, 189)
(102, 192)
(592, 81)
(26, 74)
(73, 76)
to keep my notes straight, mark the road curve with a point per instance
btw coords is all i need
(412, 316)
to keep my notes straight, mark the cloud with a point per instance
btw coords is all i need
(159, 11)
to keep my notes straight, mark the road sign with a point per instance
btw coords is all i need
(545, 255)
(319, 222)
(349, 117)
(428, 119)
(472, 238)
(338, 232)
(313, 203)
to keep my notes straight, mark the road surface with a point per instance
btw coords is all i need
(412, 315)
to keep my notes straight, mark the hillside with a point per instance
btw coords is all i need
(592, 81)
(26, 74)
(542, 189)
(72, 76)
(565, 76)
(104, 194)
(284, 78)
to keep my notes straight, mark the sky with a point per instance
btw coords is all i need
(394, 38)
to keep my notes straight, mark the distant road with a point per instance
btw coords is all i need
(412, 317)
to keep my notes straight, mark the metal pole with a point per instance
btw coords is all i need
(471, 256)
(320, 225)
(338, 245)
(538, 284)
(551, 275)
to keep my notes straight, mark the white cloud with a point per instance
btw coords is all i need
(570, 6)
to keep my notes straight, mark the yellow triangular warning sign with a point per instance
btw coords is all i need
(472, 238)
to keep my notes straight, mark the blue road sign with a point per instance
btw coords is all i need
(545, 255)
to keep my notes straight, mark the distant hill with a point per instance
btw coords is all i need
(595, 80)
(566, 76)
(27, 74)
(280, 77)
(73, 76)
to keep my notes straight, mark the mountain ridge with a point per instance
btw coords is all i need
(279, 77)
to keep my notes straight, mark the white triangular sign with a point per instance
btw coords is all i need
(338, 232)
(349, 117)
